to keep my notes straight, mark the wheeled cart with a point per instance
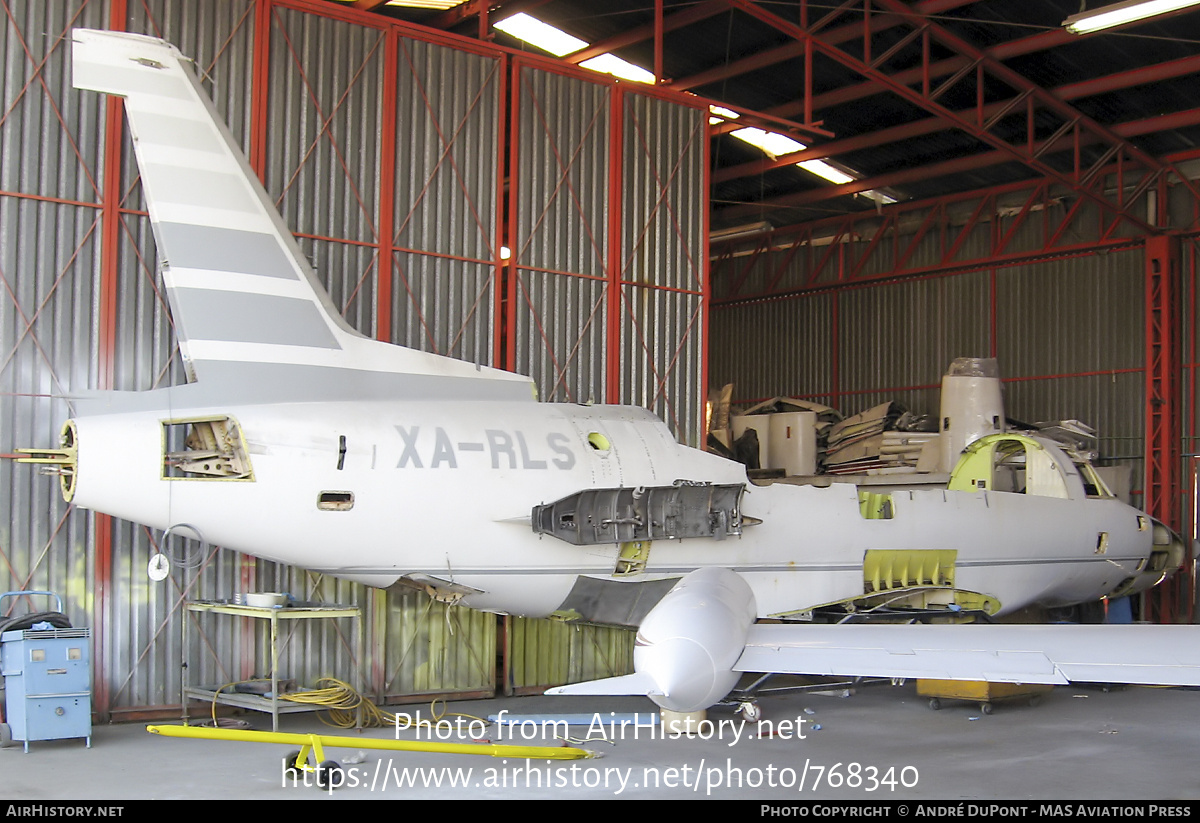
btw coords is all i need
(47, 678)
(982, 692)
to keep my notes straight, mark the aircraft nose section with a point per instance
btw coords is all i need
(1167, 554)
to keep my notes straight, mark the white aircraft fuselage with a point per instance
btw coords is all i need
(445, 489)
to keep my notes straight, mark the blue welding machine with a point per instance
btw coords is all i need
(47, 677)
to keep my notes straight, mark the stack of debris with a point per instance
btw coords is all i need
(783, 434)
(886, 439)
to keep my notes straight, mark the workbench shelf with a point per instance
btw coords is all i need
(276, 616)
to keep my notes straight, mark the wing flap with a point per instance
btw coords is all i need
(1055, 654)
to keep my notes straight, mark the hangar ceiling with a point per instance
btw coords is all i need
(908, 100)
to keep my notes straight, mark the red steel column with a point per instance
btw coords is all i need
(511, 193)
(504, 269)
(259, 89)
(110, 235)
(705, 291)
(387, 189)
(615, 205)
(1162, 416)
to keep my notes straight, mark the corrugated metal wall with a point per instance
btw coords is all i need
(49, 324)
(445, 216)
(595, 163)
(663, 267)
(428, 279)
(559, 286)
(542, 652)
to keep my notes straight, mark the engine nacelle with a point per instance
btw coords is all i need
(689, 643)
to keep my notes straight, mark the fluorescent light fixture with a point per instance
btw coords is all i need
(1118, 14)
(777, 145)
(611, 64)
(878, 196)
(740, 232)
(543, 35)
(546, 37)
(721, 114)
(770, 142)
(440, 5)
(822, 169)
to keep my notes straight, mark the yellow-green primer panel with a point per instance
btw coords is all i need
(885, 569)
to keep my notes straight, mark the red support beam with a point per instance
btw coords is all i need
(110, 270)
(1058, 218)
(637, 34)
(1163, 429)
(259, 89)
(615, 206)
(475, 8)
(387, 189)
(992, 69)
(933, 125)
(502, 269)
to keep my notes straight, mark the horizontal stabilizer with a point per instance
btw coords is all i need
(639, 683)
(1053, 654)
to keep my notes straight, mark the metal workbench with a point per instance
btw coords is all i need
(274, 615)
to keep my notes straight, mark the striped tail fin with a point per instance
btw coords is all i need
(246, 303)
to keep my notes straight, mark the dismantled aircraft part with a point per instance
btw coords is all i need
(1167, 554)
(62, 461)
(443, 591)
(890, 569)
(972, 405)
(686, 647)
(612, 602)
(902, 603)
(1012, 462)
(204, 448)
(875, 505)
(1168, 551)
(598, 516)
(632, 559)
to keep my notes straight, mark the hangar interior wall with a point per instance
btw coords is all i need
(390, 156)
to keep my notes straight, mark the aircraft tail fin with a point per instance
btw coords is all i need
(242, 293)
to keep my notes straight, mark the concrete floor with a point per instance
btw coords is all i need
(1078, 744)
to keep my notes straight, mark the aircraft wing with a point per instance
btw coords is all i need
(693, 646)
(1055, 654)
